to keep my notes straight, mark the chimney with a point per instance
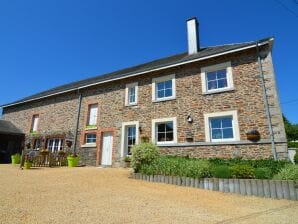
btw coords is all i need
(192, 35)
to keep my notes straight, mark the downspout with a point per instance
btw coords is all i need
(77, 122)
(266, 103)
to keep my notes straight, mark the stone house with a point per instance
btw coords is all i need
(218, 101)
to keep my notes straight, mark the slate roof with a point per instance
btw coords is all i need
(6, 127)
(156, 64)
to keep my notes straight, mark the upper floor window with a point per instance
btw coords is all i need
(164, 88)
(222, 126)
(92, 115)
(34, 124)
(217, 78)
(131, 94)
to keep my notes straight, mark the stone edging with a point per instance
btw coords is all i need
(278, 189)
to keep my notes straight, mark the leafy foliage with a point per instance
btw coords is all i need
(296, 158)
(143, 154)
(242, 171)
(221, 171)
(262, 173)
(291, 130)
(289, 172)
(293, 145)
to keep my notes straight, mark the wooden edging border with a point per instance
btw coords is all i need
(277, 189)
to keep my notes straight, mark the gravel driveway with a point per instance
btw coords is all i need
(93, 195)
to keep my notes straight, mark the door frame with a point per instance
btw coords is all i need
(99, 147)
(123, 134)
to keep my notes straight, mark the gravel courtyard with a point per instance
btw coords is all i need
(93, 195)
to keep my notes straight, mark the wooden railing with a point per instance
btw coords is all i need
(46, 159)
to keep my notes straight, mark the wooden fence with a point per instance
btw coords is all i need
(277, 189)
(48, 159)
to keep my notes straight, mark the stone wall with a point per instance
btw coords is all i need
(59, 113)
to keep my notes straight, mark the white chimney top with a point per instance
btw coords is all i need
(192, 35)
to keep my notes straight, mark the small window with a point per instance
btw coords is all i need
(131, 138)
(90, 138)
(217, 78)
(163, 88)
(131, 94)
(55, 144)
(165, 132)
(92, 118)
(34, 124)
(221, 128)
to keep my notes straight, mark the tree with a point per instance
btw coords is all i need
(291, 130)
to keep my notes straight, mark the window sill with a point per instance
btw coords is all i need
(164, 99)
(218, 91)
(91, 128)
(132, 105)
(89, 145)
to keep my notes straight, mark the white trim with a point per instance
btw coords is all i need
(163, 79)
(253, 45)
(162, 120)
(232, 113)
(204, 70)
(89, 145)
(127, 87)
(124, 125)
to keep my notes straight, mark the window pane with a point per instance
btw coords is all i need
(168, 92)
(228, 133)
(212, 85)
(169, 136)
(35, 123)
(221, 74)
(90, 138)
(169, 126)
(211, 76)
(160, 86)
(226, 122)
(160, 94)
(216, 134)
(161, 127)
(168, 84)
(222, 83)
(215, 123)
(161, 137)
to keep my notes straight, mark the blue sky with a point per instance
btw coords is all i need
(47, 43)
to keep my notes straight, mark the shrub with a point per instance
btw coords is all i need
(242, 171)
(177, 166)
(144, 153)
(289, 172)
(293, 145)
(221, 171)
(273, 165)
(296, 158)
(262, 173)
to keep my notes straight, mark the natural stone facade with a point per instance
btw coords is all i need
(59, 112)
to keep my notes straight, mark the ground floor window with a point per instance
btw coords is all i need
(37, 143)
(222, 126)
(55, 144)
(131, 138)
(164, 130)
(90, 138)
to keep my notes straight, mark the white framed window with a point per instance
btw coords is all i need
(90, 138)
(217, 78)
(222, 126)
(55, 144)
(92, 116)
(129, 136)
(34, 125)
(164, 130)
(164, 88)
(131, 94)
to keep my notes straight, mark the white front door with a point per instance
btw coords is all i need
(107, 146)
